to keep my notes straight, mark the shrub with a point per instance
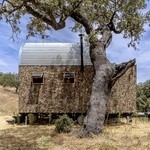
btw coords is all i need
(31, 119)
(50, 117)
(80, 119)
(44, 141)
(64, 124)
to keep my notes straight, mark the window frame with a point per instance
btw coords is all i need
(69, 76)
(36, 75)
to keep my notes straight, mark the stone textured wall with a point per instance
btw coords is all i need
(58, 97)
(123, 94)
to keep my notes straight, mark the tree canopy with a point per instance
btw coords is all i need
(123, 16)
(143, 96)
(9, 80)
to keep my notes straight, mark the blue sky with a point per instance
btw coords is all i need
(117, 52)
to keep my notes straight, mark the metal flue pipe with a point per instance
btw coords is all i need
(81, 46)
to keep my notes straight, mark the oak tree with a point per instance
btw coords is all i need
(98, 19)
(143, 96)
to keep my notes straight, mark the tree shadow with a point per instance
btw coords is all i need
(23, 138)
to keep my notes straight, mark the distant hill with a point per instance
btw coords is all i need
(8, 101)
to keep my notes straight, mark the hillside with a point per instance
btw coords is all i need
(8, 101)
(133, 136)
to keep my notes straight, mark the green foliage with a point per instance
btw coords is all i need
(129, 17)
(44, 141)
(50, 117)
(80, 119)
(9, 80)
(143, 96)
(31, 118)
(119, 117)
(64, 124)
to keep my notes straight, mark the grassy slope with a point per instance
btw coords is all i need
(135, 136)
(8, 101)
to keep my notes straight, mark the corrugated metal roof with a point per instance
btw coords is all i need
(53, 54)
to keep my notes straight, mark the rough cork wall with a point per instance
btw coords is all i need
(123, 94)
(55, 96)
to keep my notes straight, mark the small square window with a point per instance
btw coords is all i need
(37, 80)
(37, 77)
(69, 77)
(69, 80)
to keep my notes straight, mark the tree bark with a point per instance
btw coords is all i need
(106, 74)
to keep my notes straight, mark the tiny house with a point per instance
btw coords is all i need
(51, 81)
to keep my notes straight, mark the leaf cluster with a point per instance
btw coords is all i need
(9, 80)
(143, 96)
(31, 118)
(90, 16)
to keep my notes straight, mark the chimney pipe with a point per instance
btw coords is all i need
(81, 46)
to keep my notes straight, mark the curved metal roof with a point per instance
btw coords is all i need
(53, 54)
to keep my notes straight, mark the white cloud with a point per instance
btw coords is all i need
(3, 63)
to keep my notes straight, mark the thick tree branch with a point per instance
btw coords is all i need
(66, 13)
(120, 69)
(14, 6)
(106, 36)
(81, 19)
(54, 24)
(112, 26)
(46, 9)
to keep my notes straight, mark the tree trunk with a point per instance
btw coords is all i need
(106, 74)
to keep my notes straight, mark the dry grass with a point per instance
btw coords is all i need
(122, 137)
(135, 136)
(8, 101)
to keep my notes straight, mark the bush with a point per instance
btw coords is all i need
(50, 117)
(44, 141)
(64, 124)
(9, 80)
(31, 119)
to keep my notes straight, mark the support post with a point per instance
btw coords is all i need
(26, 120)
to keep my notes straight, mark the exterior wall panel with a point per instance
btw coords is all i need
(52, 60)
(55, 96)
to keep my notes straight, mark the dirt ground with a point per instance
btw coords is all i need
(133, 136)
(8, 101)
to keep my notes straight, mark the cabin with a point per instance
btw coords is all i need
(52, 81)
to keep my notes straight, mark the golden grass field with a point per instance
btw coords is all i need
(133, 136)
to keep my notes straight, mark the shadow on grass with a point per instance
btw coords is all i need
(24, 138)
